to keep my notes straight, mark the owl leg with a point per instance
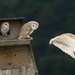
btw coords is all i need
(5, 34)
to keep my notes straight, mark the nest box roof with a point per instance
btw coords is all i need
(14, 18)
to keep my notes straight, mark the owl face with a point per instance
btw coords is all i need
(34, 26)
(5, 24)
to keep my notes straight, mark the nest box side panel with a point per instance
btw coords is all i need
(15, 26)
(14, 56)
(18, 59)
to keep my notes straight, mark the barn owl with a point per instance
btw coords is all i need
(27, 29)
(4, 28)
(65, 42)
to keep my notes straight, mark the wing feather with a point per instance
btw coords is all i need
(25, 31)
(65, 42)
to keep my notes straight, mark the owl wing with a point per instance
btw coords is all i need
(66, 44)
(25, 31)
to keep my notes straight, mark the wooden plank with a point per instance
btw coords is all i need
(14, 56)
(33, 61)
(10, 72)
(23, 70)
(14, 42)
(14, 18)
(16, 72)
(5, 72)
(0, 72)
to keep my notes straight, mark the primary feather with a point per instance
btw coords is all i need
(65, 42)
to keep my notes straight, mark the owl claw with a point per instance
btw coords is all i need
(31, 38)
(28, 37)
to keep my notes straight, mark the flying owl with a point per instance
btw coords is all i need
(4, 28)
(27, 29)
(65, 42)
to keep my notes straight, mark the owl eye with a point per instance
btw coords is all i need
(36, 26)
(5, 24)
(33, 25)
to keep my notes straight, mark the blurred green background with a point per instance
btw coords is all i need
(55, 17)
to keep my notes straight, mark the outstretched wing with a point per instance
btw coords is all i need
(65, 43)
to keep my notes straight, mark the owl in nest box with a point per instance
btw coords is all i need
(5, 28)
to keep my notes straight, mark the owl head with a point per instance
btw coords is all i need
(34, 25)
(5, 24)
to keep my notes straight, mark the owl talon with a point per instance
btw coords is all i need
(31, 38)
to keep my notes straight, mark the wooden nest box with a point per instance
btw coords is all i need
(16, 56)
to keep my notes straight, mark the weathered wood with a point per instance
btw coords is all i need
(14, 18)
(23, 70)
(31, 69)
(0, 72)
(14, 42)
(10, 72)
(16, 72)
(16, 56)
(33, 62)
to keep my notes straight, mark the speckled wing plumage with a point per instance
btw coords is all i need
(65, 42)
(25, 31)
